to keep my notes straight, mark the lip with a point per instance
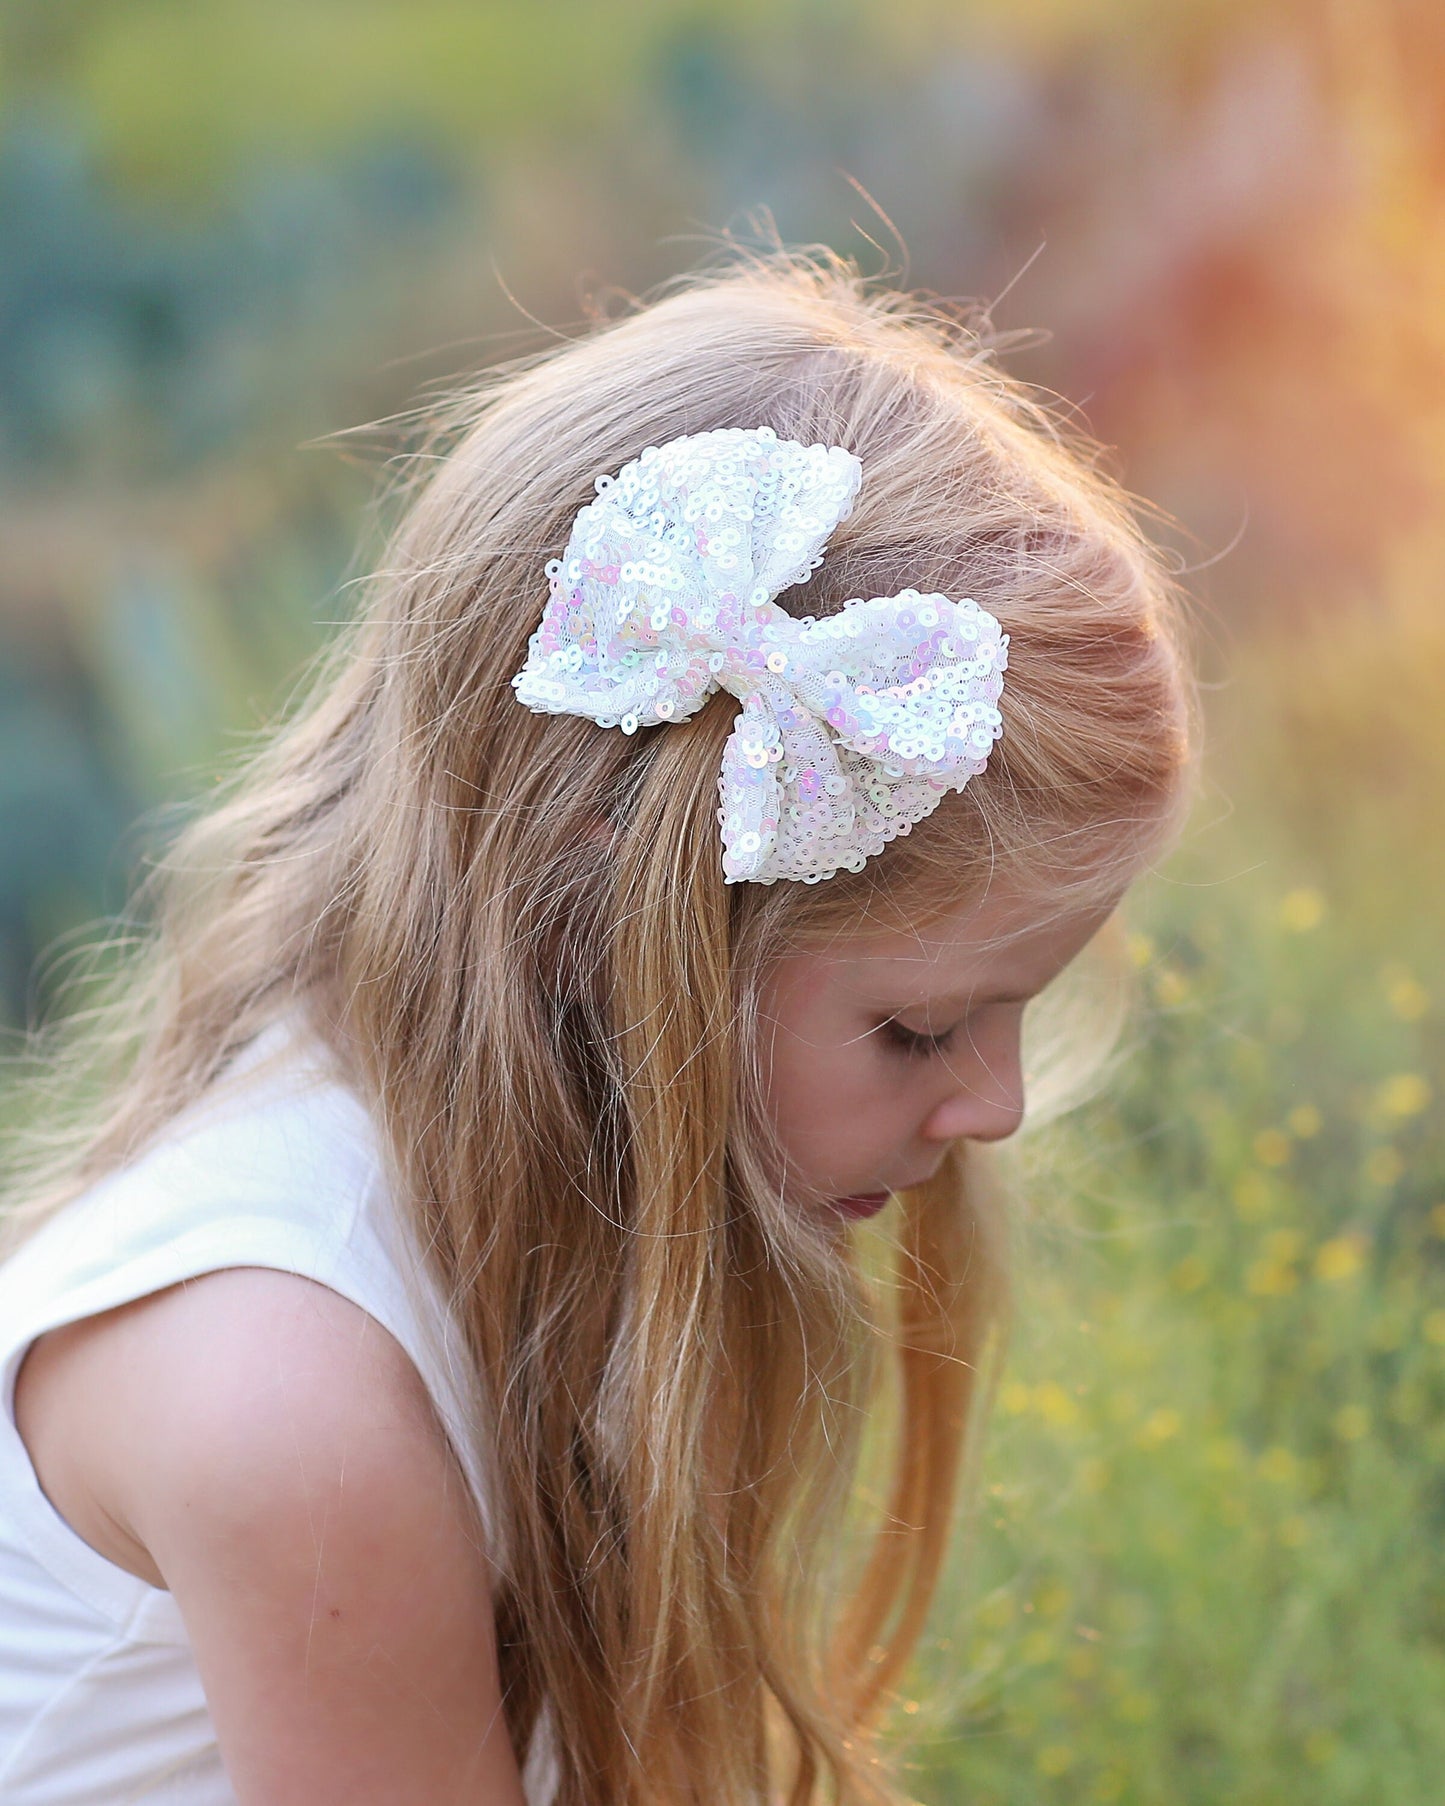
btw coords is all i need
(867, 1204)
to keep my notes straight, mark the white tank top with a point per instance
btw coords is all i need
(100, 1699)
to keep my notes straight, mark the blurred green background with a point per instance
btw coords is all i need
(1207, 1565)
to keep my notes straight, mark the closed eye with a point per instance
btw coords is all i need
(914, 1045)
(917, 1046)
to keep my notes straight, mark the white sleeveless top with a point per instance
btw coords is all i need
(100, 1699)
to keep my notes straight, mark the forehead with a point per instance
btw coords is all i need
(1006, 946)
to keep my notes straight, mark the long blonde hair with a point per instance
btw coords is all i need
(512, 932)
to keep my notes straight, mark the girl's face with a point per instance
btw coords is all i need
(880, 1052)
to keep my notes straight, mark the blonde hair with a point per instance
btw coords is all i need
(512, 932)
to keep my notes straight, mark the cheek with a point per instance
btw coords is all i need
(829, 1106)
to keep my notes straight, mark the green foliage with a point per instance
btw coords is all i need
(167, 671)
(179, 94)
(137, 342)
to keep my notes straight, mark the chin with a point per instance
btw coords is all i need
(859, 1205)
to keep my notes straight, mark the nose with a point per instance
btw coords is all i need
(972, 1116)
(985, 1101)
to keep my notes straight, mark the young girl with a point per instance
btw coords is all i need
(436, 1357)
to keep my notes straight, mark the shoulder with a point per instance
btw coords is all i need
(274, 1453)
(220, 1382)
(255, 1402)
(247, 1380)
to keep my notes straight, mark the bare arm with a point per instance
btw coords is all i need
(274, 1452)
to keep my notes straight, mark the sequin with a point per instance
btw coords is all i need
(852, 727)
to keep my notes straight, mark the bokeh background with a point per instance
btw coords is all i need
(1207, 1562)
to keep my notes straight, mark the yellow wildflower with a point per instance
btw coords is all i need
(1160, 1426)
(1189, 1275)
(1251, 1196)
(1404, 1094)
(1340, 1258)
(1404, 993)
(1279, 1465)
(1271, 1279)
(1434, 1327)
(1171, 987)
(1271, 1147)
(1351, 1423)
(1304, 1121)
(1302, 910)
(1015, 1397)
(1054, 1405)
(1409, 1000)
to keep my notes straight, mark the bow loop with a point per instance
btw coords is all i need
(916, 683)
(851, 728)
(665, 571)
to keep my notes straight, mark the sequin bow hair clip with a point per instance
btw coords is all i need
(852, 728)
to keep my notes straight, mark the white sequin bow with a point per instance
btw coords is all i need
(852, 727)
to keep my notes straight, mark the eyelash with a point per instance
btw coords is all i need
(914, 1046)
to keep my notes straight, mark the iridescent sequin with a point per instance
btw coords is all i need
(852, 728)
